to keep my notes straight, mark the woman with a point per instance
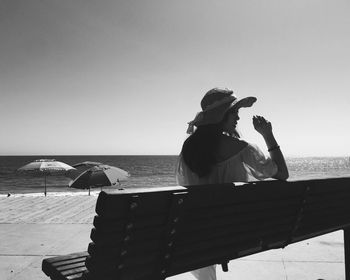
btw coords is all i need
(214, 152)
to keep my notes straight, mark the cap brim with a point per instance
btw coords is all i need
(245, 102)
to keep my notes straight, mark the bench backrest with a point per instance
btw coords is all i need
(157, 233)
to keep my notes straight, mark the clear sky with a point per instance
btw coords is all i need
(124, 77)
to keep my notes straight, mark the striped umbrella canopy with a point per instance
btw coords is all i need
(80, 168)
(100, 176)
(87, 163)
(45, 167)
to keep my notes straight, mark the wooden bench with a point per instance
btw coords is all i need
(155, 233)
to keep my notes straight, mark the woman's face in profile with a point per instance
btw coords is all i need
(231, 121)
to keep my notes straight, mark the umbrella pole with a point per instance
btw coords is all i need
(45, 185)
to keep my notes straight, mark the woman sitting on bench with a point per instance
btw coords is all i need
(214, 152)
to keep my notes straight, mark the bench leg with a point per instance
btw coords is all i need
(347, 252)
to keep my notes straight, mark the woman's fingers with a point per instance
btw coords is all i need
(260, 119)
(262, 125)
(255, 120)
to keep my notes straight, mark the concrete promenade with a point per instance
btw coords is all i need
(35, 227)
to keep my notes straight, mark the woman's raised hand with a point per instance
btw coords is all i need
(262, 125)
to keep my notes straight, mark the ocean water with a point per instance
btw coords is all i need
(148, 171)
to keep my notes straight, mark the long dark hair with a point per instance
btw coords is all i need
(200, 149)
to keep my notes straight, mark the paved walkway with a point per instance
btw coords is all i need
(32, 228)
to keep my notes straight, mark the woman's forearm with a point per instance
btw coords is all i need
(277, 156)
(264, 127)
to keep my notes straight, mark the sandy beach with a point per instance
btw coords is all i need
(33, 227)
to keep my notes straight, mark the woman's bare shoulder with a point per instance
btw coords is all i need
(230, 146)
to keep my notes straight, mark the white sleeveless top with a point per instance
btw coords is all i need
(248, 165)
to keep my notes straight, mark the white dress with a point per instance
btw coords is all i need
(247, 165)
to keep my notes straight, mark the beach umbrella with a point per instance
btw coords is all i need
(45, 167)
(87, 164)
(99, 176)
(80, 168)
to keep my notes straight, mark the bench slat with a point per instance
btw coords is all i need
(116, 206)
(72, 265)
(327, 185)
(110, 224)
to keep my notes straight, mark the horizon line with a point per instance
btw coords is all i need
(94, 155)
